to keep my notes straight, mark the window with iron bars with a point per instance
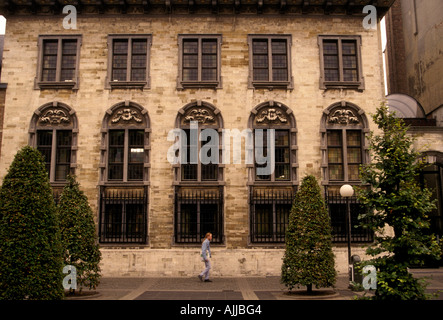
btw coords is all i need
(197, 212)
(123, 216)
(269, 214)
(337, 211)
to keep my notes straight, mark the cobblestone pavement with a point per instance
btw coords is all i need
(223, 288)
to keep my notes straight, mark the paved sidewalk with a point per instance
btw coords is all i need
(224, 288)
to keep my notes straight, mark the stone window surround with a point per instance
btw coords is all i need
(288, 85)
(324, 85)
(181, 84)
(110, 115)
(109, 84)
(37, 123)
(326, 125)
(41, 85)
(217, 125)
(293, 148)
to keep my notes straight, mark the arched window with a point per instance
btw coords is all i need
(124, 177)
(194, 119)
(271, 191)
(343, 131)
(277, 116)
(125, 144)
(199, 175)
(344, 149)
(53, 131)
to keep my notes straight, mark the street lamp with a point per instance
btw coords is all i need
(346, 191)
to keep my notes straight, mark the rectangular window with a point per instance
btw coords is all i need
(123, 216)
(337, 211)
(58, 149)
(344, 154)
(128, 65)
(270, 61)
(282, 157)
(58, 63)
(126, 155)
(199, 61)
(197, 212)
(341, 62)
(270, 209)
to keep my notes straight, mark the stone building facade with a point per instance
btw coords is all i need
(109, 100)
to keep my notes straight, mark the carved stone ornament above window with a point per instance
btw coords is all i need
(202, 116)
(54, 117)
(271, 115)
(126, 115)
(344, 117)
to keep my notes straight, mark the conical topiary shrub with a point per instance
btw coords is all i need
(30, 250)
(78, 234)
(308, 259)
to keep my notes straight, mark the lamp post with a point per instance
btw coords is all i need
(346, 191)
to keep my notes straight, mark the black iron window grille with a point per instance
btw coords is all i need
(269, 210)
(123, 216)
(337, 211)
(197, 212)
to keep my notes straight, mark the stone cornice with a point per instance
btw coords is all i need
(319, 7)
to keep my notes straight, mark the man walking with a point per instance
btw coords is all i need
(206, 250)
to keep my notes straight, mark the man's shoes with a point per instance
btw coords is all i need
(201, 278)
(207, 280)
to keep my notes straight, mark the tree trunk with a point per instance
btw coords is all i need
(309, 287)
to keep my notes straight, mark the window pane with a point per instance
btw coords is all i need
(189, 171)
(187, 227)
(209, 171)
(209, 46)
(190, 74)
(139, 46)
(120, 46)
(136, 154)
(353, 171)
(280, 75)
(134, 220)
(281, 138)
(279, 47)
(331, 62)
(208, 218)
(260, 61)
(63, 154)
(135, 172)
(209, 74)
(190, 46)
(332, 75)
(190, 61)
(282, 172)
(350, 75)
(261, 74)
(116, 154)
(335, 155)
(354, 155)
(260, 46)
(330, 47)
(49, 65)
(350, 62)
(69, 58)
(113, 220)
(44, 145)
(334, 138)
(119, 60)
(336, 172)
(353, 138)
(349, 47)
